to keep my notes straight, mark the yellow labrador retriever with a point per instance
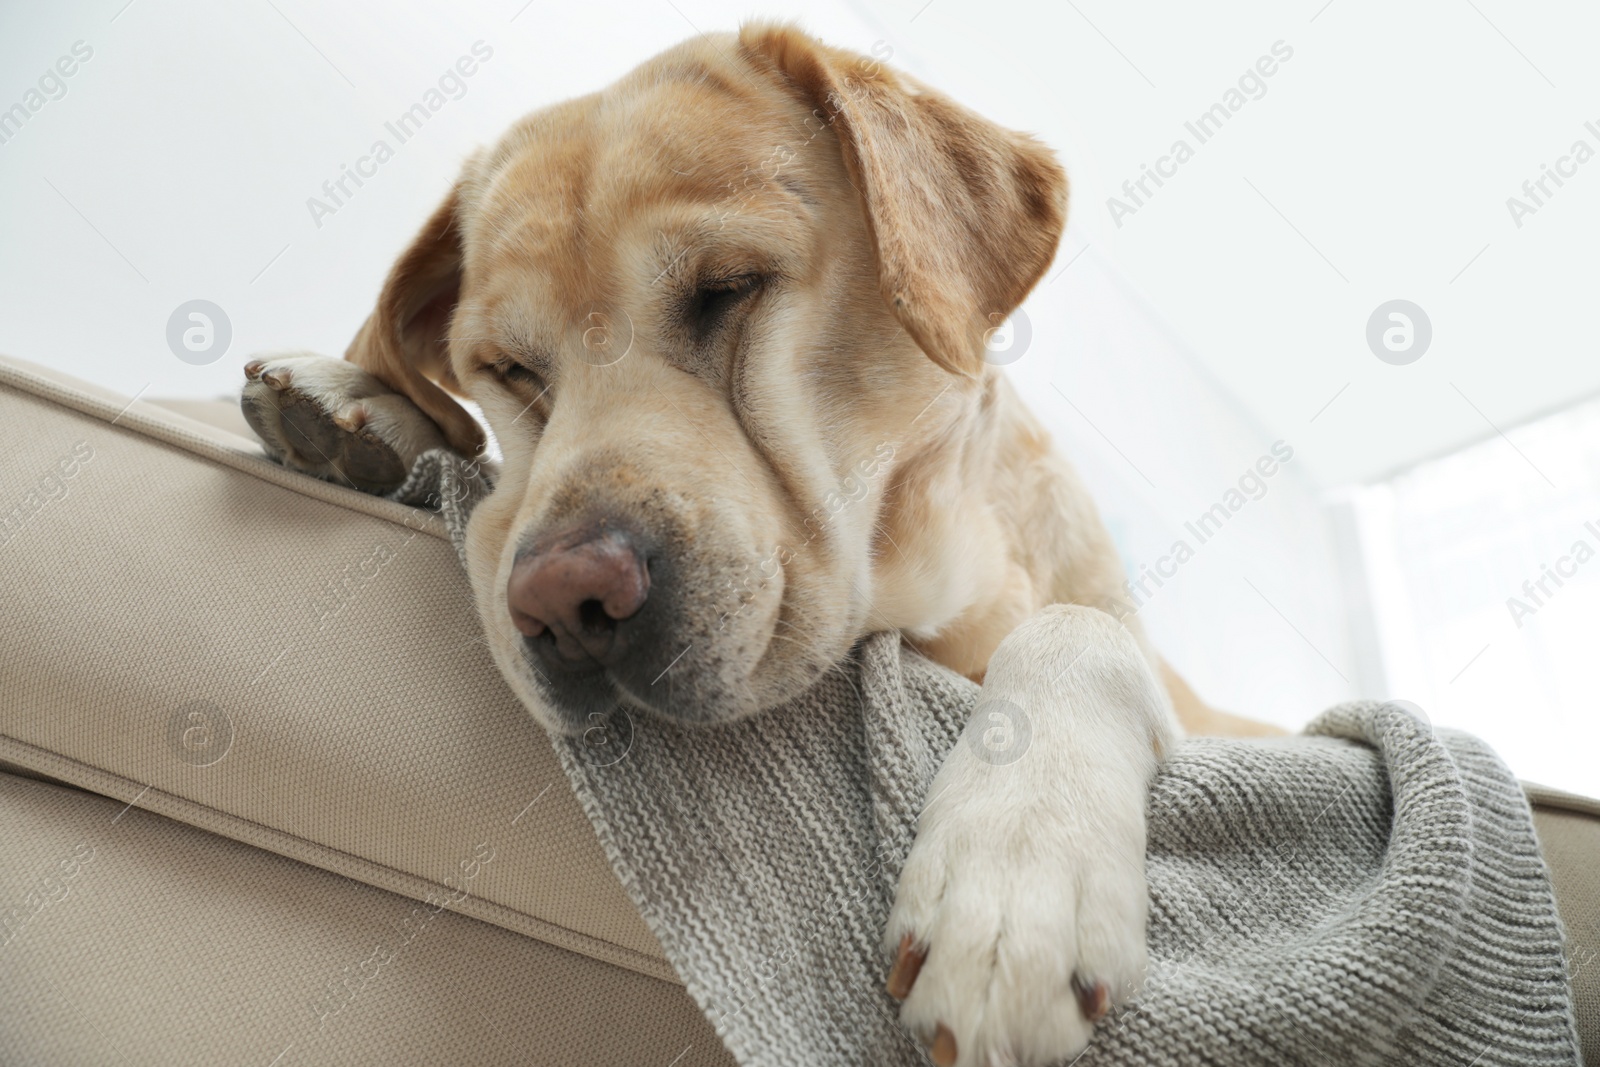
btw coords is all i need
(727, 321)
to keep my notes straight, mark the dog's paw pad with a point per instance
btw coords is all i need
(369, 461)
(334, 421)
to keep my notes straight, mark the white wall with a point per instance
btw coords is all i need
(1253, 618)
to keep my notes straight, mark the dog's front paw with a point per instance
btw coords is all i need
(1017, 925)
(334, 421)
(1020, 915)
(1015, 930)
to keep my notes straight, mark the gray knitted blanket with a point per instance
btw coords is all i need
(1369, 893)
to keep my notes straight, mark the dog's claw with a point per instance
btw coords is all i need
(1094, 998)
(253, 369)
(943, 1050)
(278, 379)
(907, 964)
(351, 419)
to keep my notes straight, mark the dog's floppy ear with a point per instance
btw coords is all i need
(965, 216)
(405, 341)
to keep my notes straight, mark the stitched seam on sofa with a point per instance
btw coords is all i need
(164, 426)
(325, 857)
(1560, 800)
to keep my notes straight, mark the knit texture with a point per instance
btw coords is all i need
(1370, 893)
(442, 481)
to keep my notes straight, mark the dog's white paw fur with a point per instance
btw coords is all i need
(1020, 914)
(334, 421)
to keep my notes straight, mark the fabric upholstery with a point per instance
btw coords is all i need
(129, 939)
(1569, 835)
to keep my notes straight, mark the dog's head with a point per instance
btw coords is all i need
(726, 320)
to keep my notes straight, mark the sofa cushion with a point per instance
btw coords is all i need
(128, 938)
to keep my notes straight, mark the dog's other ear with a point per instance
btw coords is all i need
(405, 341)
(965, 215)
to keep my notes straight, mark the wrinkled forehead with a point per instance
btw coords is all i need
(587, 198)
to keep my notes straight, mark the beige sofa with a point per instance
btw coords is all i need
(266, 801)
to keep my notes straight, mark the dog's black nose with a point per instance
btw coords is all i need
(569, 591)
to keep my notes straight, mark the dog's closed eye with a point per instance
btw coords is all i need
(515, 373)
(713, 299)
